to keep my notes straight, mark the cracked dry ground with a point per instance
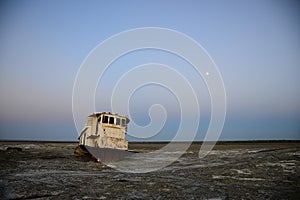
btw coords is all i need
(230, 171)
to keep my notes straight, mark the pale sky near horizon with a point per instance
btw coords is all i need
(255, 44)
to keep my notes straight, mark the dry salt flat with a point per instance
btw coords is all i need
(36, 170)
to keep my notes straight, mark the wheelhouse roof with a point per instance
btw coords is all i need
(97, 114)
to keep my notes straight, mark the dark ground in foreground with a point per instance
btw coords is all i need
(230, 171)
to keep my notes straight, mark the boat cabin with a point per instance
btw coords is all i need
(105, 130)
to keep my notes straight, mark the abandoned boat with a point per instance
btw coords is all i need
(103, 138)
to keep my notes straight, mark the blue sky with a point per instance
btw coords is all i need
(255, 44)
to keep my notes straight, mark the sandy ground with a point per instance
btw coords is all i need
(31, 170)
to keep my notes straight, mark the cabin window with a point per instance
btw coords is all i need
(118, 121)
(105, 119)
(111, 120)
(123, 122)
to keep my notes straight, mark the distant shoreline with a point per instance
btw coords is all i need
(162, 142)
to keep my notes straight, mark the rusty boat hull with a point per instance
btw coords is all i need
(97, 154)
